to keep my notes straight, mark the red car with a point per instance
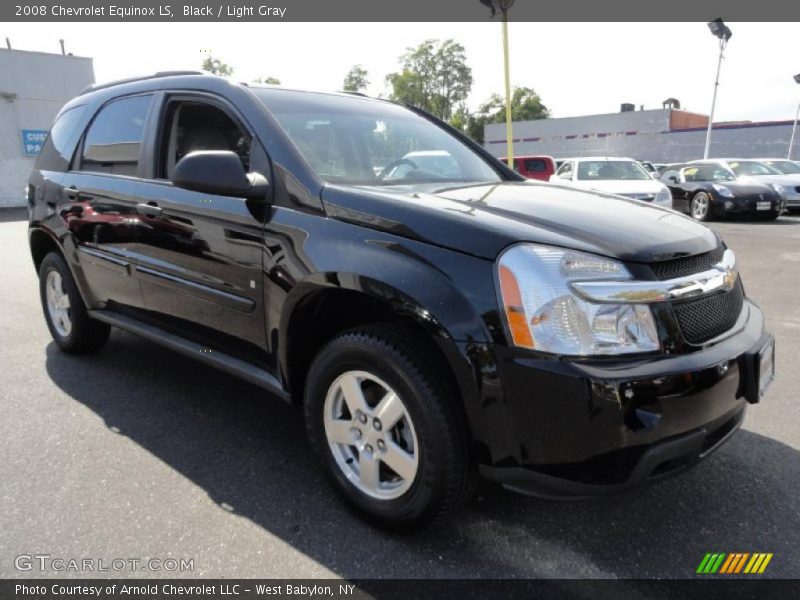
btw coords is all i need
(534, 167)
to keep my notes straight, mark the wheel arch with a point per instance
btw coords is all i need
(320, 308)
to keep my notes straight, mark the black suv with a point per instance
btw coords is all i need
(438, 318)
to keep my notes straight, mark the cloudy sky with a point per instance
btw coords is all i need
(577, 68)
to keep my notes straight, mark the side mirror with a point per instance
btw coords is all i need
(672, 179)
(218, 172)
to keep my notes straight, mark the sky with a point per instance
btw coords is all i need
(577, 68)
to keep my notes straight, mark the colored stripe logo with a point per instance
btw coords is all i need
(734, 563)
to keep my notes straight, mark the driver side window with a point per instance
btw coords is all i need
(194, 125)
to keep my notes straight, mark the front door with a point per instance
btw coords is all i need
(199, 255)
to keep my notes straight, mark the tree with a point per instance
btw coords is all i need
(356, 79)
(267, 80)
(526, 105)
(434, 77)
(216, 67)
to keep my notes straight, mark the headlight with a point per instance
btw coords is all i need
(542, 313)
(722, 190)
(663, 198)
(779, 189)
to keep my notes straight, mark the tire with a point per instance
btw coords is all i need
(380, 361)
(70, 325)
(700, 206)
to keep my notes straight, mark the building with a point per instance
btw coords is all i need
(33, 87)
(661, 136)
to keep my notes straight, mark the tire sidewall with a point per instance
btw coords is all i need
(348, 354)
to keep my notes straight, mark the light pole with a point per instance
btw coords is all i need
(719, 29)
(794, 127)
(502, 6)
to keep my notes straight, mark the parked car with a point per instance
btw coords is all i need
(421, 164)
(785, 166)
(649, 167)
(435, 326)
(786, 185)
(534, 167)
(620, 176)
(707, 190)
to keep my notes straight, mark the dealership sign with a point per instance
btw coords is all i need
(32, 141)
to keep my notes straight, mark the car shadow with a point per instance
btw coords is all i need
(249, 453)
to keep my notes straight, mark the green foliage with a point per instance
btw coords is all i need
(216, 67)
(434, 77)
(267, 80)
(526, 105)
(356, 79)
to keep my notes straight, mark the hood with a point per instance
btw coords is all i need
(622, 186)
(483, 219)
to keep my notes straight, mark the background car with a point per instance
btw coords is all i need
(620, 176)
(706, 190)
(534, 167)
(422, 164)
(785, 166)
(787, 186)
(649, 167)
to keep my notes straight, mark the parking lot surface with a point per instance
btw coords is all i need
(114, 455)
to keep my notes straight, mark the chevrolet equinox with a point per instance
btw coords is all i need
(438, 320)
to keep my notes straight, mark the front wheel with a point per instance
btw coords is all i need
(72, 328)
(701, 206)
(386, 428)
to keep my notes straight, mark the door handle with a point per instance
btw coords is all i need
(151, 209)
(71, 192)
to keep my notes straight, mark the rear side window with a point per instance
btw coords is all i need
(535, 165)
(58, 148)
(114, 138)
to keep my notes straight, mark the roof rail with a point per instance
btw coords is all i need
(355, 93)
(100, 86)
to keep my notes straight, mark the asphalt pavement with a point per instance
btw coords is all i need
(136, 452)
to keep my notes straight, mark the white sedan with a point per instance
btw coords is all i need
(620, 176)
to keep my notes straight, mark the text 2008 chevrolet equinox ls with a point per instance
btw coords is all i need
(439, 318)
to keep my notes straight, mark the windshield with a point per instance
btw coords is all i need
(784, 166)
(753, 168)
(594, 170)
(359, 141)
(708, 173)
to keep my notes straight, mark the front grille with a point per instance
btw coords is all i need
(705, 318)
(679, 267)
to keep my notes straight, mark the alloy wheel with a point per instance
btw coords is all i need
(700, 206)
(58, 304)
(371, 435)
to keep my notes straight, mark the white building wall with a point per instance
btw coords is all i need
(644, 135)
(33, 87)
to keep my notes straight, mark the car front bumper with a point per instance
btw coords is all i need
(748, 207)
(583, 428)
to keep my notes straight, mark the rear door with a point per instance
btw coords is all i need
(199, 256)
(98, 201)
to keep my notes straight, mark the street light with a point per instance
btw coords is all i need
(502, 6)
(794, 127)
(720, 30)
